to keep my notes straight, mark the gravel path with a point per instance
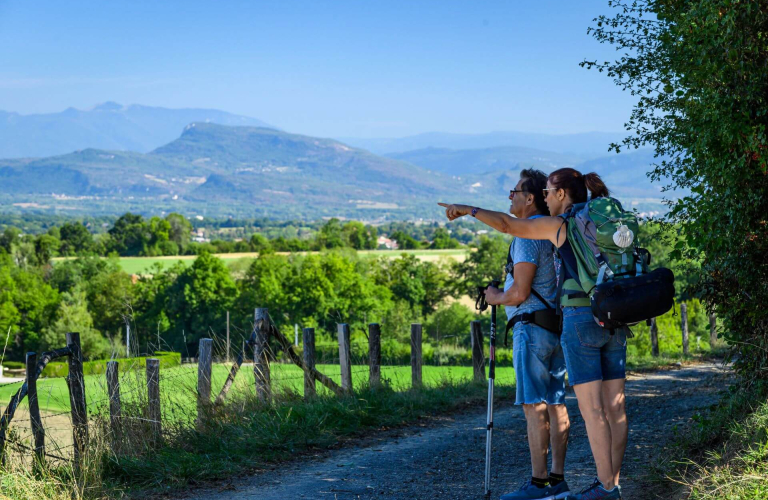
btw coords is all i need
(446, 461)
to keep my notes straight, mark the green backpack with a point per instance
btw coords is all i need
(612, 274)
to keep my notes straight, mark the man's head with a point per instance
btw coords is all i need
(527, 198)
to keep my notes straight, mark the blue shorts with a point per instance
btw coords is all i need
(591, 352)
(539, 365)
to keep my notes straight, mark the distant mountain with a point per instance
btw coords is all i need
(232, 170)
(107, 126)
(586, 145)
(465, 162)
(625, 175)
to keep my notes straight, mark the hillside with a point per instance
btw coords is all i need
(108, 126)
(218, 170)
(465, 162)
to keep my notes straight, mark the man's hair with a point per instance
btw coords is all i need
(534, 182)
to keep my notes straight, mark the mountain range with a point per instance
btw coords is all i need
(109, 126)
(220, 169)
(230, 170)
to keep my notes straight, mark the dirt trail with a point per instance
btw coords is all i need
(447, 461)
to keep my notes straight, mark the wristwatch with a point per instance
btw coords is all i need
(474, 211)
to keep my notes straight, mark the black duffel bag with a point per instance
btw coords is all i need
(629, 301)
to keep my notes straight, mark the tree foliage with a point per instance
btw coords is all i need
(699, 69)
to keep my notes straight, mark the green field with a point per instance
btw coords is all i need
(240, 261)
(178, 385)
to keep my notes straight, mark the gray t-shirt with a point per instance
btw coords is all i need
(539, 252)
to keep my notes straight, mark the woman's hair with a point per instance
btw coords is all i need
(534, 182)
(577, 184)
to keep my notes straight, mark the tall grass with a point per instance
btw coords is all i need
(242, 434)
(724, 453)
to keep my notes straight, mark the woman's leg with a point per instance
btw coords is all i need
(590, 398)
(615, 412)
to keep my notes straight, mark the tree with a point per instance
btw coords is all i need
(404, 241)
(260, 243)
(75, 239)
(9, 238)
(442, 240)
(330, 235)
(421, 285)
(46, 246)
(129, 235)
(198, 299)
(180, 230)
(484, 264)
(358, 236)
(73, 316)
(699, 70)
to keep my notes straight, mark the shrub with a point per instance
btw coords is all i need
(98, 367)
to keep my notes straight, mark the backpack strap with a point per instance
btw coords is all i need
(569, 292)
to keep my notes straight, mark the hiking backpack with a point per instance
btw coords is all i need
(612, 275)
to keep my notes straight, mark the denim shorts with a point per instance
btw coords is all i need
(591, 352)
(539, 365)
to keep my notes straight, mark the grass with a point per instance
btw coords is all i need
(723, 454)
(178, 384)
(241, 435)
(139, 265)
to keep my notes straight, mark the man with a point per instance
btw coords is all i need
(537, 355)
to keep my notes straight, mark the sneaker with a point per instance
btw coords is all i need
(560, 491)
(596, 492)
(530, 492)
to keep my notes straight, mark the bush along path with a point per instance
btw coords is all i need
(447, 460)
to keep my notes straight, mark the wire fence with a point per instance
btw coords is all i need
(179, 388)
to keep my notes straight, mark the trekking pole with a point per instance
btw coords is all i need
(482, 305)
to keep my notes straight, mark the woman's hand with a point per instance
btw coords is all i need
(456, 211)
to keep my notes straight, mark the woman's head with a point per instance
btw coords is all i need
(567, 186)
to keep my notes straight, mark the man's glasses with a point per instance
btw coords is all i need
(513, 191)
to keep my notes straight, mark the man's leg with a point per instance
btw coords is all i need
(537, 418)
(590, 397)
(559, 429)
(615, 412)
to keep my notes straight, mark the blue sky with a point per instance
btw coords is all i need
(327, 68)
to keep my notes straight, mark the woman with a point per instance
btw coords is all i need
(595, 358)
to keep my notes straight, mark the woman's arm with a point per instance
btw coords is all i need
(540, 228)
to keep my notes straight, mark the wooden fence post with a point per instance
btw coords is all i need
(654, 338)
(260, 353)
(684, 320)
(310, 389)
(113, 390)
(416, 381)
(34, 407)
(153, 399)
(204, 369)
(345, 360)
(76, 384)
(227, 336)
(712, 330)
(374, 354)
(478, 358)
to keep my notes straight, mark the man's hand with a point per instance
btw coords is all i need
(493, 296)
(456, 211)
